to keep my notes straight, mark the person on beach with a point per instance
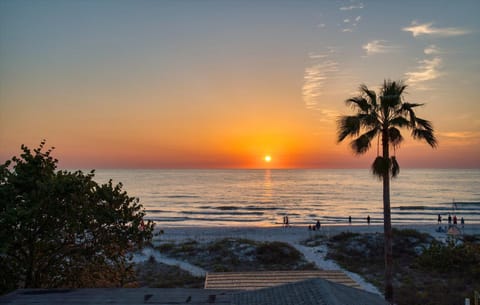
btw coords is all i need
(317, 225)
(454, 220)
(462, 222)
(439, 219)
(368, 219)
(449, 220)
(286, 221)
(283, 221)
(349, 220)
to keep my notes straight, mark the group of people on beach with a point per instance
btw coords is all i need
(350, 220)
(317, 225)
(452, 222)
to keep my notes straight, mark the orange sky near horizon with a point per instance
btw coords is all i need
(223, 84)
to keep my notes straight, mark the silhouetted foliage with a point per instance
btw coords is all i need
(62, 229)
(381, 117)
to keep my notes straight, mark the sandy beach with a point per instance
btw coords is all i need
(292, 235)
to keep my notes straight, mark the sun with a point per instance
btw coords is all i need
(267, 158)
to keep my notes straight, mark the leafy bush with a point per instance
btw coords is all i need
(158, 275)
(62, 229)
(277, 253)
(167, 247)
(439, 274)
(463, 259)
(343, 236)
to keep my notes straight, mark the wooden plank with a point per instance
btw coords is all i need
(262, 279)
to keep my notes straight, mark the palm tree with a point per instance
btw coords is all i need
(382, 117)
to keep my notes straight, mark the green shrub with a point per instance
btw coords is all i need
(165, 248)
(344, 236)
(463, 259)
(277, 253)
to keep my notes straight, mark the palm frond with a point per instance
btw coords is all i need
(409, 106)
(399, 122)
(394, 136)
(393, 87)
(347, 126)
(370, 93)
(363, 143)
(380, 166)
(424, 124)
(391, 94)
(426, 135)
(395, 167)
(369, 120)
(383, 112)
(359, 102)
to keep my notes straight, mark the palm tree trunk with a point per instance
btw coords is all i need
(387, 222)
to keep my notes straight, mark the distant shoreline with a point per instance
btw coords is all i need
(291, 234)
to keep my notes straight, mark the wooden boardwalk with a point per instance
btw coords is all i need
(264, 279)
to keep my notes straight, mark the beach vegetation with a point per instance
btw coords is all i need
(157, 275)
(277, 253)
(444, 258)
(343, 236)
(426, 270)
(237, 254)
(166, 247)
(63, 229)
(380, 118)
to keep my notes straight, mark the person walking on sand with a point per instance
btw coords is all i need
(454, 220)
(368, 219)
(286, 221)
(317, 225)
(449, 220)
(349, 220)
(462, 222)
(439, 219)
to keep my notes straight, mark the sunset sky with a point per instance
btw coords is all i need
(222, 84)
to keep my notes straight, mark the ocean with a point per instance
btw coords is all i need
(263, 197)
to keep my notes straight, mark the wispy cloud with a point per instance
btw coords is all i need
(327, 115)
(378, 46)
(428, 69)
(428, 29)
(352, 7)
(461, 135)
(315, 77)
(350, 23)
(431, 50)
